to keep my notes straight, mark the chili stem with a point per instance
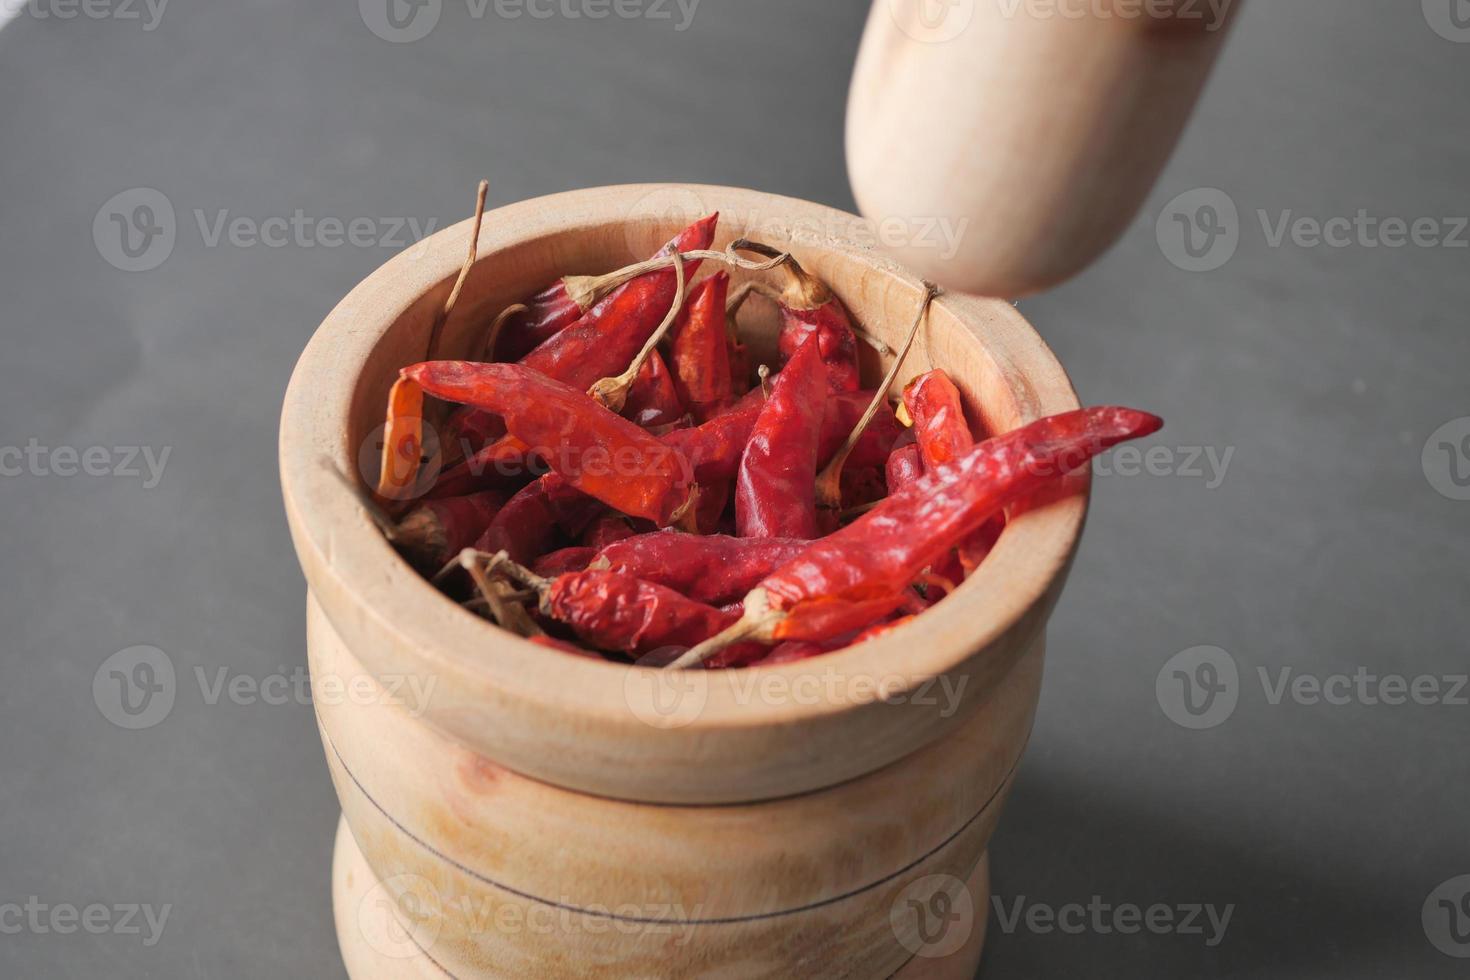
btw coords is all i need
(488, 351)
(829, 482)
(508, 615)
(587, 290)
(464, 273)
(613, 392)
(757, 623)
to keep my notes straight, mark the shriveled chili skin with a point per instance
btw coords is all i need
(904, 466)
(831, 326)
(940, 428)
(615, 611)
(652, 400)
(712, 568)
(501, 465)
(775, 490)
(713, 449)
(437, 530)
(844, 409)
(606, 530)
(879, 554)
(599, 453)
(605, 340)
(699, 355)
(551, 311)
(524, 528)
(572, 559)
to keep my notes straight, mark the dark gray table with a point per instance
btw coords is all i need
(1331, 544)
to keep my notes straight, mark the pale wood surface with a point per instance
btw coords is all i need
(764, 888)
(1035, 134)
(580, 723)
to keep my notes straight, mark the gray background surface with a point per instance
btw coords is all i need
(1326, 548)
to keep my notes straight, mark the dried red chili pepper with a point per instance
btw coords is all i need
(904, 466)
(606, 530)
(437, 530)
(554, 309)
(711, 568)
(572, 559)
(883, 431)
(502, 465)
(809, 309)
(597, 452)
(933, 402)
(713, 449)
(700, 356)
(653, 401)
(603, 341)
(863, 569)
(775, 491)
(526, 526)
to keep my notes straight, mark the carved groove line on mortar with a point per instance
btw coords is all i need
(652, 920)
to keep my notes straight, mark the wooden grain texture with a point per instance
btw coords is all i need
(1030, 131)
(497, 875)
(377, 945)
(598, 727)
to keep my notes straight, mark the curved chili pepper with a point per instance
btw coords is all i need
(502, 465)
(597, 452)
(653, 401)
(700, 356)
(711, 568)
(613, 611)
(436, 530)
(713, 449)
(775, 491)
(934, 404)
(863, 569)
(553, 309)
(606, 339)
